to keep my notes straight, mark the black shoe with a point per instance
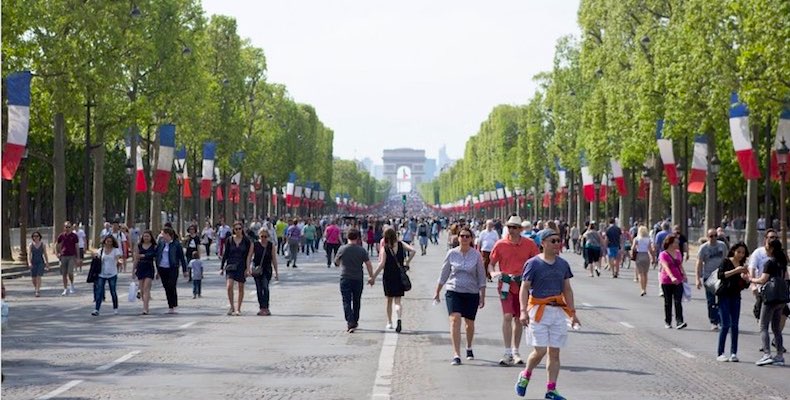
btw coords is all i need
(456, 361)
(288, 264)
(398, 327)
(682, 325)
(469, 354)
(294, 265)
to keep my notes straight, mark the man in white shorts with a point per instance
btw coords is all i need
(546, 300)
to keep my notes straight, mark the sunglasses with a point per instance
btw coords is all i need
(513, 227)
(236, 229)
(713, 236)
(264, 236)
(465, 236)
(554, 241)
(771, 237)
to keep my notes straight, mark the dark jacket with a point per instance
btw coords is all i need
(176, 255)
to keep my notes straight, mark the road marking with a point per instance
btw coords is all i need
(68, 385)
(382, 387)
(587, 305)
(684, 353)
(107, 366)
(627, 325)
(187, 325)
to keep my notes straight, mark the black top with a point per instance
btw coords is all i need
(258, 256)
(730, 287)
(236, 253)
(773, 269)
(146, 257)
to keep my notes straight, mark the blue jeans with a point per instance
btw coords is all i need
(729, 312)
(309, 245)
(351, 291)
(197, 286)
(713, 308)
(262, 289)
(113, 291)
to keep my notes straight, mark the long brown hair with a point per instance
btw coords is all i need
(390, 237)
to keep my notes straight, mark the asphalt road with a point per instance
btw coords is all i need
(53, 348)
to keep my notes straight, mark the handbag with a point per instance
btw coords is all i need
(231, 267)
(404, 277)
(775, 291)
(713, 283)
(257, 270)
(95, 269)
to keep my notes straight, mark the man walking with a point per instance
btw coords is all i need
(294, 237)
(508, 257)
(485, 243)
(613, 246)
(67, 249)
(544, 311)
(351, 257)
(709, 258)
(422, 234)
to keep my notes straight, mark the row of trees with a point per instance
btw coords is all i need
(354, 180)
(102, 68)
(639, 61)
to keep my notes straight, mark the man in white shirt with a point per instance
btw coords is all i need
(121, 238)
(485, 243)
(222, 232)
(106, 231)
(756, 263)
(80, 232)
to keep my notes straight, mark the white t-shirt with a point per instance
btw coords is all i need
(208, 233)
(109, 262)
(757, 262)
(488, 239)
(643, 244)
(81, 236)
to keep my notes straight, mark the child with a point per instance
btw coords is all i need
(197, 274)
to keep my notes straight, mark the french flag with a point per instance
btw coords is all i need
(234, 195)
(562, 173)
(274, 195)
(218, 191)
(18, 89)
(251, 196)
(699, 165)
(180, 160)
(140, 184)
(321, 196)
(782, 132)
(547, 193)
(619, 179)
(604, 193)
(337, 199)
(644, 188)
(588, 187)
(289, 189)
(186, 182)
(741, 138)
(308, 193)
(667, 155)
(209, 149)
(164, 165)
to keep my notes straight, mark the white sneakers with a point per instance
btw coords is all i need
(389, 326)
(65, 292)
(71, 289)
(723, 358)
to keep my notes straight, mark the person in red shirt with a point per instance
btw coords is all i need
(331, 242)
(508, 258)
(67, 251)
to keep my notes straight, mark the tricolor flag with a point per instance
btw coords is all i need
(297, 199)
(667, 155)
(234, 194)
(209, 149)
(180, 160)
(644, 188)
(186, 182)
(547, 192)
(500, 193)
(274, 195)
(308, 193)
(337, 198)
(587, 182)
(289, 189)
(603, 194)
(218, 191)
(252, 195)
(164, 164)
(18, 90)
(699, 165)
(782, 132)
(140, 184)
(619, 179)
(742, 138)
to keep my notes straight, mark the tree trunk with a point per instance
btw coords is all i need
(23, 210)
(131, 196)
(626, 201)
(37, 208)
(579, 208)
(752, 200)
(228, 212)
(711, 217)
(156, 198)
(5, 250)
(59, 175)
(655, 211)
(98, 189)
(677, 205)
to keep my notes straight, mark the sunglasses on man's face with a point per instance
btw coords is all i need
(554, 241)
(513, 227)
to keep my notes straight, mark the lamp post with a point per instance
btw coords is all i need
(681, 197)
(594, 204)
(781, 158)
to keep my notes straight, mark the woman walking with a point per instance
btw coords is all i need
(644, 256)
(110, 261)
(143, 259)
(465, 277)
(37, 261)
(207, 237)
(262, 257)
(771, 313)
(672, 276)
(391, 261)
(593, 242)
(236, 262)
(729, 298)
(169, 256)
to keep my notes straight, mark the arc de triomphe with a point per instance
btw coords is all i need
(404, 168)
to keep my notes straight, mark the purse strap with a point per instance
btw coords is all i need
(394, 256)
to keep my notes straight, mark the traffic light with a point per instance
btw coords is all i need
(403, 198)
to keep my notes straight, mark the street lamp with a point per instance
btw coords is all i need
(781, 158)
(594, 204)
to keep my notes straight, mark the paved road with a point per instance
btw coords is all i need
(53, 348)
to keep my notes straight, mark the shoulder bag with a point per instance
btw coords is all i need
(404, 277)
(95, 269)
(713, 283)
(257, 269)
(775, 291)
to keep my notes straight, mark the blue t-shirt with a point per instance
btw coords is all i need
(660, 236)
(546, 279)
(613, 234)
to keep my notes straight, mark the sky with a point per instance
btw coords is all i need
(409, 73)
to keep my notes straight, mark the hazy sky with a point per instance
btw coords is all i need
(409, 73)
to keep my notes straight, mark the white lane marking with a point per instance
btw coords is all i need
(107, 366)
(382, 387)
(684, 353)
(187, 325)
(626, 324)
(68, 385)
(587, 305)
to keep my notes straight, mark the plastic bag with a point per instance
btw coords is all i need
(132, 292)
(686, 291)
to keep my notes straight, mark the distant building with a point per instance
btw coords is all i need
(378, 171)
(404, 168)
(430, 169)
(368, 164)
(443, 160)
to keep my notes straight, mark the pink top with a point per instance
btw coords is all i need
(674, 266)
(332, 234)
(371, 237)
